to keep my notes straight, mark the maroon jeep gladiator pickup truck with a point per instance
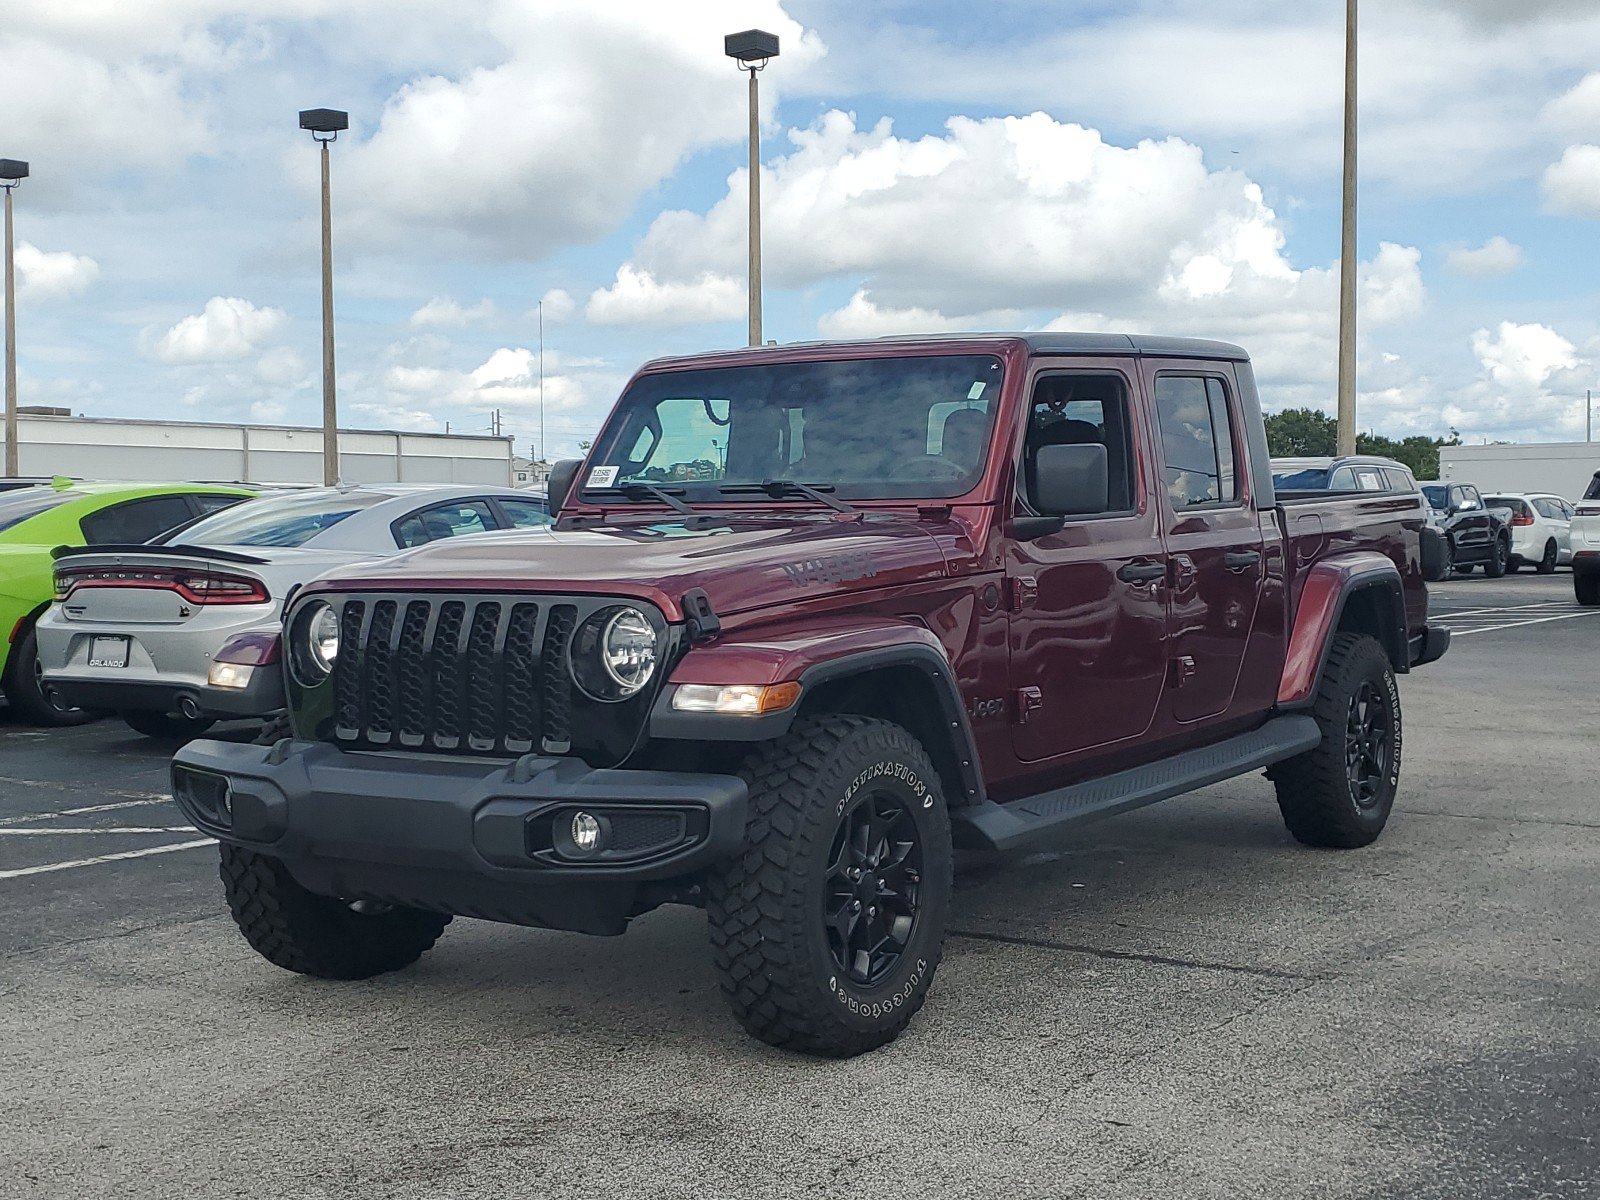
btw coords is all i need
(811, 618)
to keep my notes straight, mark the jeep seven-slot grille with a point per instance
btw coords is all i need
(485, 675)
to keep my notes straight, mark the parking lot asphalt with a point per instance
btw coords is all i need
(1185, 1004)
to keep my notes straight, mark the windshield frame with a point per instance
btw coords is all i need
(1009, 362)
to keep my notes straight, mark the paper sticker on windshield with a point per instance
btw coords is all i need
(976, 391)
(602, 477)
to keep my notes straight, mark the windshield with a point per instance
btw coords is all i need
(16, 507)
(1437, 496)
(280, 521)
(1304, 480)
(868, 428)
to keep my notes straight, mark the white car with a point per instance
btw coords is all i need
(181, 632)
(1586, 545)
(1541, 529)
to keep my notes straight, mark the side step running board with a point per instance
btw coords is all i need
(991, 826)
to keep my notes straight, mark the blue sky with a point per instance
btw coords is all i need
(1165, 167)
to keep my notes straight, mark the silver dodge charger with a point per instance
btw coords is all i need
(180, 633)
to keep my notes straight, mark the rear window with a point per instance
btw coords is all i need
(1518, 508)
(1594, 488)
(279, 521)
(1307, 479)
(16, 507)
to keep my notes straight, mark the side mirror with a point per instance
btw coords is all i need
(562, 475)
(1071, 480)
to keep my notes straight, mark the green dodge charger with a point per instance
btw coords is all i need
(35, 520)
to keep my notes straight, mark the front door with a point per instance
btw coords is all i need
(1088, 606)
(1213, 533)
(1471, 527)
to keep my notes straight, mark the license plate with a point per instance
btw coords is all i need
(108, 652)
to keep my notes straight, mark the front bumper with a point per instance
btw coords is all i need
(479, 838)
(262, 696)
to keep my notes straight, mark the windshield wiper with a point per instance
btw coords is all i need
(649, 491)
(780, 488)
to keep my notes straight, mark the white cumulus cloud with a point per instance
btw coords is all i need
(226, 330)
(639, 298)
(1523, 357)
(50, 274)
(1494, 258)
(443, 311)
(1572, 185)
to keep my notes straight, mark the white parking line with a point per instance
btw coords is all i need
(18, 872)
(105, 830)
(152, 798)
(1519, 624)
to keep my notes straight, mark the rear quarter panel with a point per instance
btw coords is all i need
(1387, 525)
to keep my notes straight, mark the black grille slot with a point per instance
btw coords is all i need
(347, 671)
(447, 675)
(558, 679)
(644, 831)
(521, 690)
(477, 675)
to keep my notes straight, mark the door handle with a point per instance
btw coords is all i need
(1242, 560)
(1141, 572)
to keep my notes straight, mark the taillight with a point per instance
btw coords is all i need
(1522, 519)
(198, 587)
(1587, 511)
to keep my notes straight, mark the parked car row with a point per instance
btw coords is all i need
(162, 603)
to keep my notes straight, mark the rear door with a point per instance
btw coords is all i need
(453, 518)
(1088, 609)
(1213, 533)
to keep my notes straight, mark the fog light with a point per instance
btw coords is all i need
(734, 700)
(229, 675)
(585, 832)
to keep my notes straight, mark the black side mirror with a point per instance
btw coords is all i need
(1072, 480)
(562, 475)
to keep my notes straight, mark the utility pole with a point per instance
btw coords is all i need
(541, 381)
(1347, 256)
(1588, 415)
(325, 124)
(752, 49)
(12, 171)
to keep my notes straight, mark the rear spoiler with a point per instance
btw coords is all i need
(61, 552)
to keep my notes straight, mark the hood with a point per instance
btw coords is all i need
(745, 565)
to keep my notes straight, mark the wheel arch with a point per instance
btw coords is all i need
(1358, 593)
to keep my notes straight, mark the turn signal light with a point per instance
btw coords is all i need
(734, 700)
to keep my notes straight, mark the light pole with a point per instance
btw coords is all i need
(752, 50)
(325, 124)
(1347, 250)
(12, 172)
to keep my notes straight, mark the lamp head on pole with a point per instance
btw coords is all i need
(751, 49)
(12, 172)
(327, 121)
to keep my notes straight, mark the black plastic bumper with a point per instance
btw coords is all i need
(261, 697)
(1429, 646)
(477, 838)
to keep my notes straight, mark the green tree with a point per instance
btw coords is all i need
(1309, 432)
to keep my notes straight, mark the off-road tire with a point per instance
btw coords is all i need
(1513, 565)
(1547, 563)
(166, 727)
(316, 935)
(1315, 794)
(1586, 588)
(1495, 565)
(766, 907)
(24, 688)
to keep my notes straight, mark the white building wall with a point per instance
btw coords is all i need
(98, 448)
(1564, 468)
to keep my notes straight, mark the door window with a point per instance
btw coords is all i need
(525, 514)
(1369, 479)
(1197, 441)
(456, 519)
(135, 521)
(1343, 480)
(1077, 410)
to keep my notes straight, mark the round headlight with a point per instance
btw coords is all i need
(614, 653)
(314, 643)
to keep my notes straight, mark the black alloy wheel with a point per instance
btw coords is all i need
(1368, 744)
(1495, 566)
(874, 877)
(1547, 564)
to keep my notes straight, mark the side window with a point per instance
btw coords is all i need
(1196, 440)
(209, 504)
(135, 521)
(1472, 497)
(456, 519)
(1399, 481)
(1369, 479)
(525, 514)
(1343, 480)
(1458, 497)
(1069, 410)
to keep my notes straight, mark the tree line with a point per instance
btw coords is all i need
(1310, 433)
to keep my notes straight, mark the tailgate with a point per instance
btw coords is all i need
(153, 585)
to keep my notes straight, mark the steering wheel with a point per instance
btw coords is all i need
(927, 467)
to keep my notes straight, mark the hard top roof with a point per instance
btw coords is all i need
(1037, 343)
